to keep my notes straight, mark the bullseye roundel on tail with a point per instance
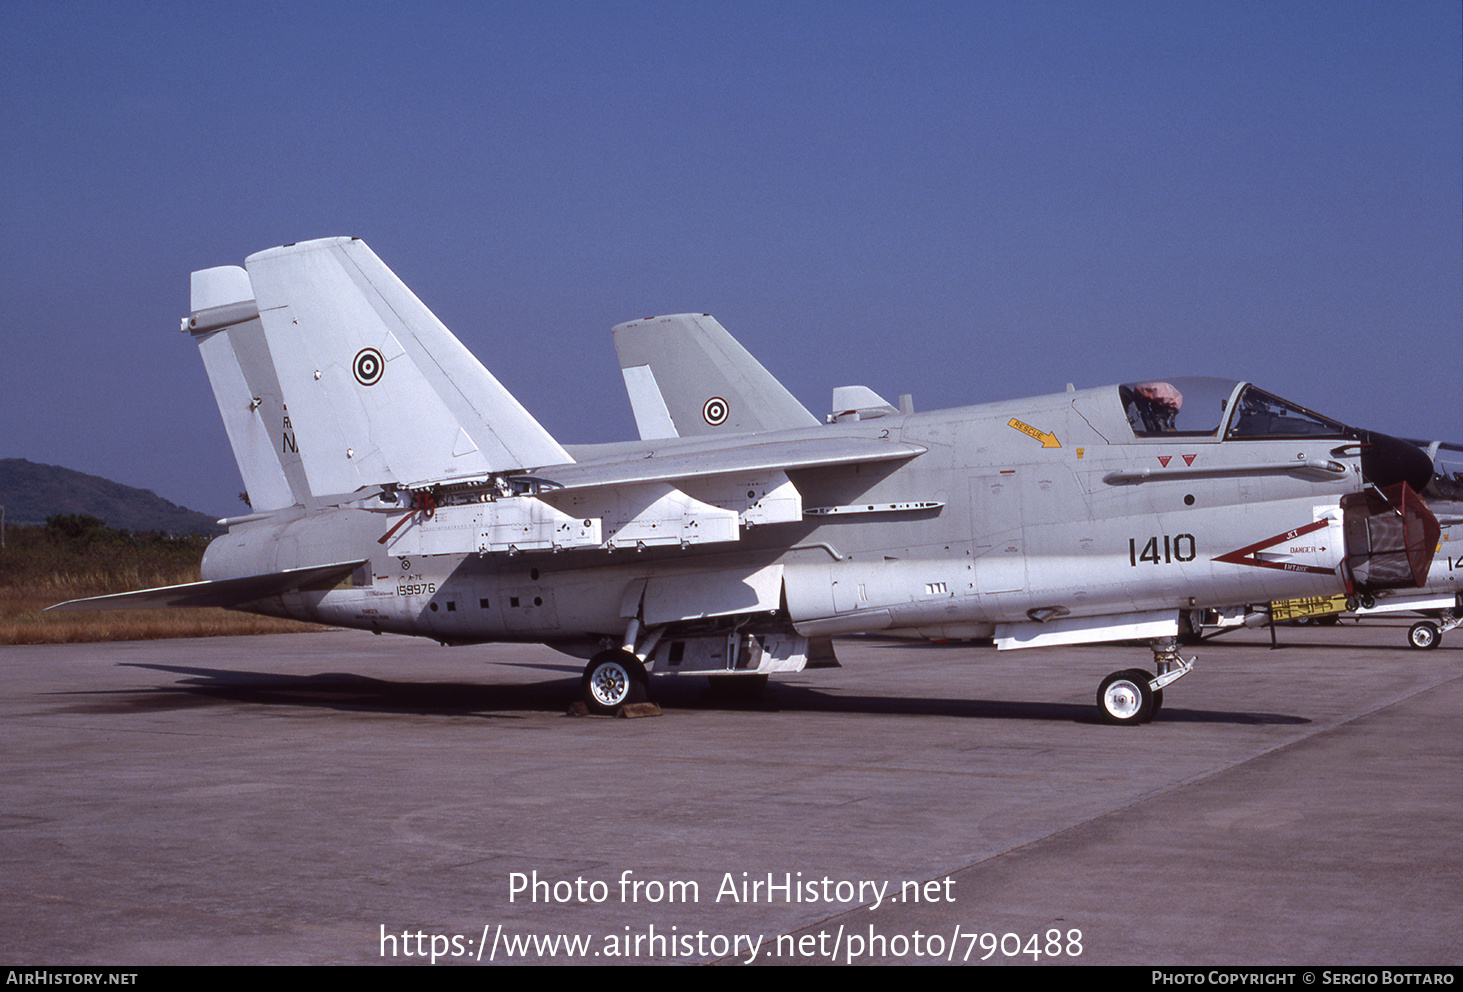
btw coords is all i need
(715, 411)
(368, 366)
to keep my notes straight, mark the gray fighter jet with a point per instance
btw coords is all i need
(398, 487)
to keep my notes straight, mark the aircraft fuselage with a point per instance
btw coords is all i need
(402, 488)
(1012, 509)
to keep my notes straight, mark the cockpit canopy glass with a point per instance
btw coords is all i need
(1260, 414)
(1191, 406)
(1200, 406)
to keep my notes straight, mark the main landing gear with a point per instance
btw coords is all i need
(612, 679)
(618, 676)
(1132, 696)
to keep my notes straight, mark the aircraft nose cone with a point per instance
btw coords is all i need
(1387, 461)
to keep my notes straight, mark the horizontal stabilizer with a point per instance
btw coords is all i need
(220, 592)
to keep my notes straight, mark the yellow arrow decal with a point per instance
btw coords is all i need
(1047, 440)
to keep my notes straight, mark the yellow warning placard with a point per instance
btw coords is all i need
(1312, 606)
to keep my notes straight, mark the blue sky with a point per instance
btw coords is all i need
(964, 201)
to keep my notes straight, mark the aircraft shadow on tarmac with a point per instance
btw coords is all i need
(357, 693)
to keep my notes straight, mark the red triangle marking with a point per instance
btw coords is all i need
(1247, 555)
(1188, 459)
(1164, 460)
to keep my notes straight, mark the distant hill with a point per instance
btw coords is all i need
(30, 493)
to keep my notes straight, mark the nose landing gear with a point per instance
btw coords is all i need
(1428, 634)
(1132, 696)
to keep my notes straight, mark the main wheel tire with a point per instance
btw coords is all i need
(1126, 697)
(612, 679)
(1424, 635)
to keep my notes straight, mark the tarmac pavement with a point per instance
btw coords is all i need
(338, 798)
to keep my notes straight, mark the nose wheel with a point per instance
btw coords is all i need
(1128, 697)
(1425, 635)
(1132, 696)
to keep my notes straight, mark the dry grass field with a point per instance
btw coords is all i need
(74, 557)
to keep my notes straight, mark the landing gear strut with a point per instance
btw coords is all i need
(1132, 696)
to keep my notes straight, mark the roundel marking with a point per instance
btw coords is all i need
(715, 411)
(368, 366)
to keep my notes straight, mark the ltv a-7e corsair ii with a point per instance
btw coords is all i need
(397, 487)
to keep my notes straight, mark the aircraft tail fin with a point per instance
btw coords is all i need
(687, 377)
(373, 388)
(225, 324)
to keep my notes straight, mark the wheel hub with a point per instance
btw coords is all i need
(1123, 699)
(610, 684)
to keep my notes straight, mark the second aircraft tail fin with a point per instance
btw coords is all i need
(688, 377)
(225, 323)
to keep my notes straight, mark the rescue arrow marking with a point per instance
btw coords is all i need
(1047, 440)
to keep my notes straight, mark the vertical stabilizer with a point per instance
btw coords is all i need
(377, 389)
(225, 323)
(688, 377)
